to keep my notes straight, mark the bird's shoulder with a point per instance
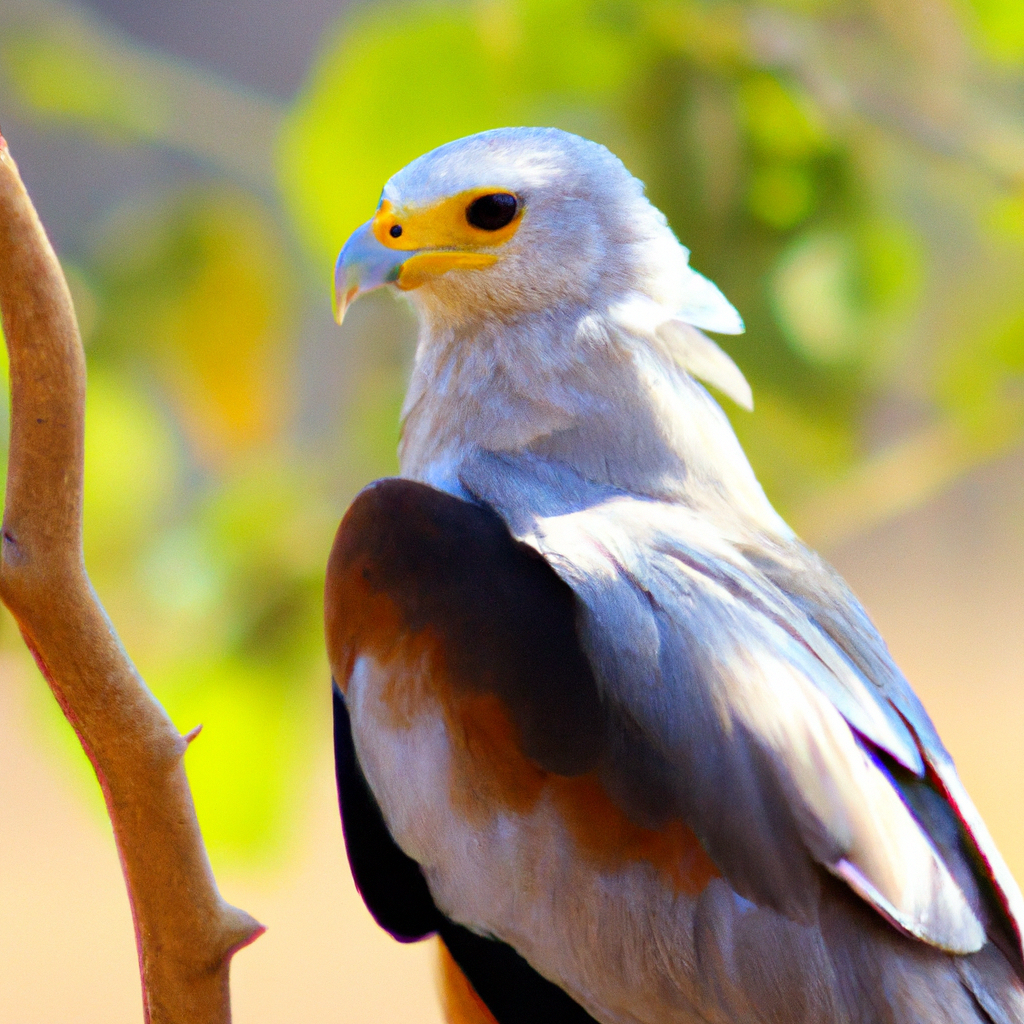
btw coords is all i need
(469, 627)
(417, 573)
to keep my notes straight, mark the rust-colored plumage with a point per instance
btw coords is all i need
(490, 772)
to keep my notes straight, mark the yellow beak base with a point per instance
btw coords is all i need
(419, 269)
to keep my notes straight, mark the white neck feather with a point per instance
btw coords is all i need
(606, 398)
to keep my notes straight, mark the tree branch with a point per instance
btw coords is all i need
(185, 932)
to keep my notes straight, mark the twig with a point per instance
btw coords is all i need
(848, 67)
(185, 932)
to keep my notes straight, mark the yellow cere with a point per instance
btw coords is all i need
(441, 226)
(419, 269)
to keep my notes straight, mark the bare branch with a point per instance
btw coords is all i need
(852, 72)
(186, 933)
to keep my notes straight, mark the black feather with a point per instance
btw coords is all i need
(391, 883)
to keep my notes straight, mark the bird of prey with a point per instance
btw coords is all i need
(602, 721)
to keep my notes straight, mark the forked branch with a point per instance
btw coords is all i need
(185, 932)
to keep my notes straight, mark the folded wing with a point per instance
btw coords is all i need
(752, 697)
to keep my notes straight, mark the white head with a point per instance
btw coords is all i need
(558, 318)
(573, 228)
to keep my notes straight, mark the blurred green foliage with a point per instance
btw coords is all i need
(851, 173)
(70, 83)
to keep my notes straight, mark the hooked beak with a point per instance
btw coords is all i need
(364, 264)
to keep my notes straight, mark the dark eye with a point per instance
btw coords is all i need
(493, 211)
(396, 231)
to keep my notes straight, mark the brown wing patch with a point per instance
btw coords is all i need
(481, 629)
(413, 562)
(606, 835)
(492, 774)
(360, 621)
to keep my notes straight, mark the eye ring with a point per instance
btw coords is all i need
(396, 231)
(493, 211)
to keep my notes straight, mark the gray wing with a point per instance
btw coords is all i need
(827, 602)
(754, 699)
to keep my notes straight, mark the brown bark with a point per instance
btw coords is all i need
(185, 932)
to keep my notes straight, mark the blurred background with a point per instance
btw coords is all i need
(850, 172)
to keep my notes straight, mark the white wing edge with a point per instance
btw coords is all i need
(1002, 878)
(883, 853)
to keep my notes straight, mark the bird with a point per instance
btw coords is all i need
(603, 723)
